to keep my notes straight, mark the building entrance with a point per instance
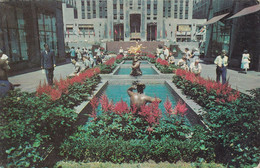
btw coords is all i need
(119, 32)
(151, 32)
(135, 25)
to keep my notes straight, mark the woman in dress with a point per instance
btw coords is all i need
(245, 61)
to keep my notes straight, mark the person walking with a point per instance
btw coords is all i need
(245, 61)
(188, 56)
(48, 63)
(72, 53)
(222, 62)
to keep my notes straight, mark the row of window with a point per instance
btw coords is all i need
(167, 11)
(14, 37)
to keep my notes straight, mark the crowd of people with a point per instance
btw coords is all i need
(189, 60)
(83, 59)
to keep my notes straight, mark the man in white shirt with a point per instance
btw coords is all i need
(222, 62)
(165, 52)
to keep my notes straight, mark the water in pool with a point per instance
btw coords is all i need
(142, 62)
(118, 92)
(146, 71)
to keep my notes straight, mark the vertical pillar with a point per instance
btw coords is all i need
(143, 20)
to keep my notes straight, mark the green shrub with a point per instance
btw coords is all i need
(106, 69)
(31, 124)
(126, 138)
(234, 124)
(166, 69)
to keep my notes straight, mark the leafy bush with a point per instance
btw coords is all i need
(128, 136)
(119, 59)
(108, 66)
(30, 124)
(230, 115)
(164, 67)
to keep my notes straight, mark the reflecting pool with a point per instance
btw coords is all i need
(146, 71)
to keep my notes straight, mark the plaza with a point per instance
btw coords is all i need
(128, 84)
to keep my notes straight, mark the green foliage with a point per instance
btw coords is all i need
(30, 124)
(74, 98)
(234, 125)
(106, 69)
(126, 138)
(166, 69)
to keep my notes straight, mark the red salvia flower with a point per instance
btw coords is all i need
(104, 103)
(133, 109)
(180, 108)
(168, 107)
(149, 129)
(121, 107)
(110, 62)
(55, 94)
(118, 57)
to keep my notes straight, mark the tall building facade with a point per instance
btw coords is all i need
(128, 20)
(25, 26)
(233, 25)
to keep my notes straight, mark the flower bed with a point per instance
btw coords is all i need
(164, 67)
(119, 59)
(110, 64)
(121, 134)
(231, 116)
(30, 124)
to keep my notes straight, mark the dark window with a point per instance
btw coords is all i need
(75, 13)
(83, 9)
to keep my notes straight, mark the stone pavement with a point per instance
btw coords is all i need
(242, 82)
(30, 81)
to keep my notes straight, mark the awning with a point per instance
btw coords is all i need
(246, 11)
(90, 26)
(69, 26)
(215, 19)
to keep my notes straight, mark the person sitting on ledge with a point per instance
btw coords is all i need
(171, 59)
(139, 98)
(136, 70)
(195, 67)
(182, 63)
(77, 68)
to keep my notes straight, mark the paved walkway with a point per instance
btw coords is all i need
(241, 81)
(30, 81)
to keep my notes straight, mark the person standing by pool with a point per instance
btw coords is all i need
(159, 52)
(222, 62)
(165, 52)
(48, 63)
(139, 98)
(245, 61)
